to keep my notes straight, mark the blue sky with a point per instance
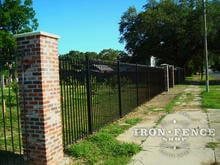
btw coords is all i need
(84, 25)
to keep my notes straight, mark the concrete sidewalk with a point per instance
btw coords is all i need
(183, 137)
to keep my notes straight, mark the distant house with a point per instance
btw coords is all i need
(101, 68)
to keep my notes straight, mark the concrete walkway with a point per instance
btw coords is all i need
(183, 137)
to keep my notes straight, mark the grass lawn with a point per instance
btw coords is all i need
(103, 148)
(10, 131)
(211, 99)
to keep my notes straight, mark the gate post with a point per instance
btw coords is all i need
(40, 97)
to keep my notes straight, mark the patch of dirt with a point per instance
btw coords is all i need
(145, 111)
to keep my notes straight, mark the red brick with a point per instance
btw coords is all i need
(41, 86)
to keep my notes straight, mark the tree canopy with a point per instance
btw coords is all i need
(16, 16)
(105, 54)
(172, 31)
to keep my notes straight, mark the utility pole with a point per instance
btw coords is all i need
(205, 46)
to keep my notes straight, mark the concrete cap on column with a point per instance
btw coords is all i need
(40, 33)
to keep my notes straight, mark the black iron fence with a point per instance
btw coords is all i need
(94, 93)
(10, 127)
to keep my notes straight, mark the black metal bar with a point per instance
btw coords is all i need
(136, 70)
(18, 113)
(10, 110)
(148, 83)
(119, 88)
(77, 107)
(81, 103)
(70, 106)
(79, 114)
(3, 110)
(84, 99)
(88, 86)
(62, 100)
(65, 126)
(73, 104)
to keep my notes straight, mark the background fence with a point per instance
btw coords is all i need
(94, 93)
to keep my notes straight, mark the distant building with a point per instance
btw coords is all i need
(101, 68)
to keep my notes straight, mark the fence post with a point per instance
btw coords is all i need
(137, 92)
(39, 88)
(171, 76)
(119, 88)
(166, 76)
(89, 95)
(179, 75)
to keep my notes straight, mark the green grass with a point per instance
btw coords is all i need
(103, 148)
(105, 107)
(211, 99)
(159, 120)
(170, 106)
(10, 130)
(190, 78)
(189, 97)
(133, 121)
(212, 145)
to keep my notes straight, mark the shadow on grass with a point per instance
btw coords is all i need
(9, 158)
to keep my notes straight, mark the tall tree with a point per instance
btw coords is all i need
(109, 54)
(170, 30)
(213, 18)
(16, 16)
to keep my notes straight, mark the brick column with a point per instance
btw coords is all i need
(40, 97)
(166, 76)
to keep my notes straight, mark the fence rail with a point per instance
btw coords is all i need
(94, 93)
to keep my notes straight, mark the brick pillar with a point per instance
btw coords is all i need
(166, 76)
(40, 97)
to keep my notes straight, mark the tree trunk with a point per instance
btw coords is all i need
(3, 81)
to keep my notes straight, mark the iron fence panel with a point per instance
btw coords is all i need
(95, 92)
